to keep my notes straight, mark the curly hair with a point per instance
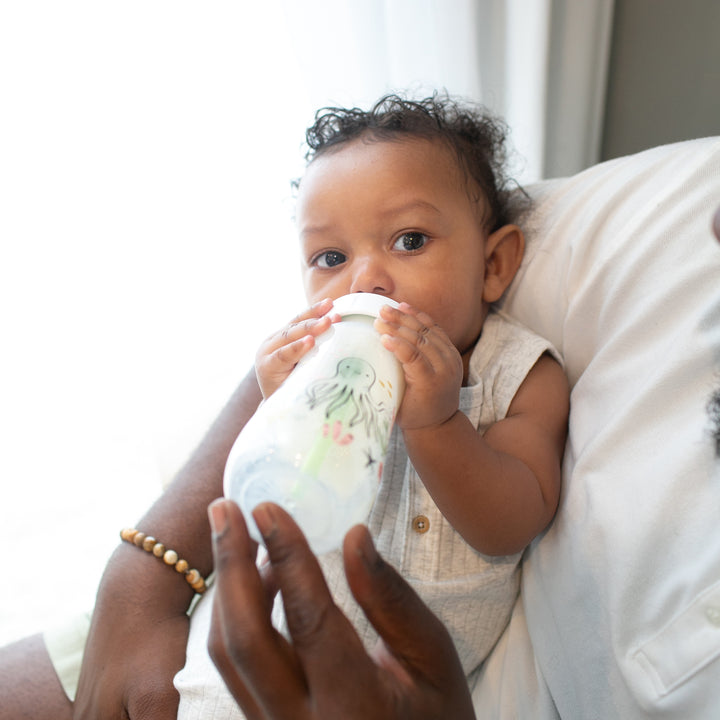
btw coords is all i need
(476, 136)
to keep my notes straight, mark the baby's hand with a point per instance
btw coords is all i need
(432, 365)
(278, 355)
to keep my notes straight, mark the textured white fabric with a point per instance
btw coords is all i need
(471, 593)
(621, 597)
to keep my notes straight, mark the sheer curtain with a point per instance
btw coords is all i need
(541, 65)
(145, 220)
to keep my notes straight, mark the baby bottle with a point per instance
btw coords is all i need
(317, 445)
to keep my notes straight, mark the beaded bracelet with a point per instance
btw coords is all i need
(169, 557)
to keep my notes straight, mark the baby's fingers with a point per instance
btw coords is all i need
(277, 356)
(317, 310)
(272, 368)
(287, 356)
(408, 322)
(413, 336)
(313, 321)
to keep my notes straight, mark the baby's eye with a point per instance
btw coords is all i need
(410, 241)
(329, 259)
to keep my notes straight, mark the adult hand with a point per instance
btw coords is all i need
(135, 646)
(325, 672)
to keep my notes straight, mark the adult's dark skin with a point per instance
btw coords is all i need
(325, 672)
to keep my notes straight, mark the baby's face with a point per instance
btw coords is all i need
(395, 218)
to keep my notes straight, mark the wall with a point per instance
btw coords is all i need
(664, 79)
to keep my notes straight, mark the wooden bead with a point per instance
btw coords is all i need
(149, 544)
(196, 581)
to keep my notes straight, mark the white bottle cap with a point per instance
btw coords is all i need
(361, 303)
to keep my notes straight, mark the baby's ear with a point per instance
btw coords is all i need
(504, 251)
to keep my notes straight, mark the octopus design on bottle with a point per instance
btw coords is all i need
(349, 410)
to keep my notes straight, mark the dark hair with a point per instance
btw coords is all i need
(474, 134)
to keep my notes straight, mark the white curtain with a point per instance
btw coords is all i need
(146, 243)
(540, 64)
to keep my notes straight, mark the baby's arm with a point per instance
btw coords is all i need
(500, 489)
(280, 352)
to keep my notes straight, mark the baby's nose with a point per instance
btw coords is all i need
(372, 275)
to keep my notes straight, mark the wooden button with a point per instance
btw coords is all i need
(420, 524)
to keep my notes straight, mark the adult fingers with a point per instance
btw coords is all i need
(412, 633)
(255, 661)
(324, 640)
(228, 672)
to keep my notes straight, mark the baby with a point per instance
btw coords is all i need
(408, 200)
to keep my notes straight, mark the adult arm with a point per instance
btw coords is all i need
(139, 628)
(325, 672)
(29, 684)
